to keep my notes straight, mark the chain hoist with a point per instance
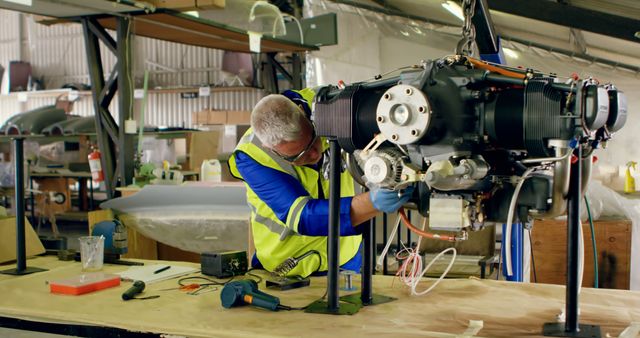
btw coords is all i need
(467, 42)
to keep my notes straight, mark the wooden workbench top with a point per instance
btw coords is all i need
(507, 309)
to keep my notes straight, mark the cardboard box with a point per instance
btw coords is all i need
(223, 117)
(200, 117)
(8, 240)
(217, 117)
(239, 117)
(202, 145)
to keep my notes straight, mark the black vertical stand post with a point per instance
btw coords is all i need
(333, 243)
(385, 266)
(367, 297)
(398, 238)
(571, 327)
(408, 230)
(374, 236)
(333, 305)
(573, 240)
(32, 202)
(366, 294)
(21, 249)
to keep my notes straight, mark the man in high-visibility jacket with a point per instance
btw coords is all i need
(281, 160)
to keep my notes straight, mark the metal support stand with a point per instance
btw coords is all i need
(116, 147)
(385, 266)
(366, 296)
(366, 293)
(32, 197)
(272, 67)
(571, 328)
(21, 249)
(125, 100)
(333, 305)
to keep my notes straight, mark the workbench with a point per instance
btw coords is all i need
(507, 309)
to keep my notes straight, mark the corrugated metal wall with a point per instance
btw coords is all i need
(9, 37)
(57, 55)
(172, 64)
(169, 109)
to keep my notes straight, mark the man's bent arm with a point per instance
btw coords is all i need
(362, 209)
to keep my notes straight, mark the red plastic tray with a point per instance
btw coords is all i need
(84, 283)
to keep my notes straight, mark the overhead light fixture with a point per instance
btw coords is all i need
(454, 9)
(510, 52)
(21, 2)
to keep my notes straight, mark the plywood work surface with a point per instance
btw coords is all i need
(507, 309)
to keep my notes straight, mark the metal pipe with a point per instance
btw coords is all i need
(125, 99)
(561, 170)
(573, 247)
(21, 249)
(498, 78)
(32, 202)
(399, 240)
(587, 166)
(385, 266)
(21, 252)
(409, 230)
(367, 85)
(374, 237)
(333, 241)
(548, 159)
(366, 294)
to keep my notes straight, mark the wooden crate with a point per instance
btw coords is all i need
(613, 241)
(55, 185)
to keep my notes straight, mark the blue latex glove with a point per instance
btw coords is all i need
(389, 201)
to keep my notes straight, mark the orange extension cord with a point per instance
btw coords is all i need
(491, 68)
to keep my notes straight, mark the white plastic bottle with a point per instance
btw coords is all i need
(211, 171)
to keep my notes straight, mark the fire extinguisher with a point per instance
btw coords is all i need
(94, 164)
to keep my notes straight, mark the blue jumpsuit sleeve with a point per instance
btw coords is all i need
(279, 190)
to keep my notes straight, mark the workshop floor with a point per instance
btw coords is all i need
(11, 333)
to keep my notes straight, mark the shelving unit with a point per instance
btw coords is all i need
(52, 93)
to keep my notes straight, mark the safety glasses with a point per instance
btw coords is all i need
(294, 158)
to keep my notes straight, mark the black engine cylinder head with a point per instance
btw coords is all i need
(526, 120)
(348, 116)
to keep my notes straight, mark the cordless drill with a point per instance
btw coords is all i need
(245, 292)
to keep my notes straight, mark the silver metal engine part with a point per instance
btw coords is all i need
(445, 176)
(403, 114)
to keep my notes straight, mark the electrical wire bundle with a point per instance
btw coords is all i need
(410, 271)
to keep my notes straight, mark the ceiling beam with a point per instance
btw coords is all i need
(385, 4)
(392, 12)
(611, 63)
(571, 16)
